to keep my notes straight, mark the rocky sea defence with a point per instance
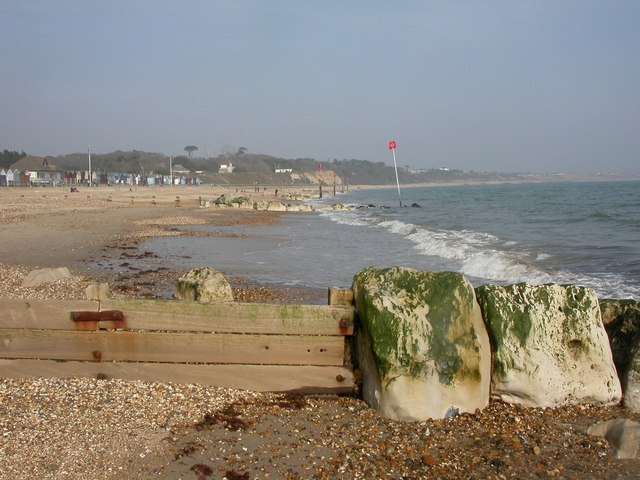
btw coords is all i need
(243, 202)
(622, 322)
(422, 348)
(429, 345)
(291, 202)
(549, 346)
(204, 285)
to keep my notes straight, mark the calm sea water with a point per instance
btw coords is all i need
(580, 233)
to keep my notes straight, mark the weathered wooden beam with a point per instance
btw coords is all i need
(19, 313)
(144, 314)
(180, 347)
(261, 378)
(236, 317)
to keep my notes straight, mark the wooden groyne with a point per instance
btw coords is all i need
(261, 347)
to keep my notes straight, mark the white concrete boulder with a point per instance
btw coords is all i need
(421, 347)
(275, 206)
(549, 346)
(234, 202)
(41, 276)
(204, 285)
(299, 207)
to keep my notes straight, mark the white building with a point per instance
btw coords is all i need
(226, 168)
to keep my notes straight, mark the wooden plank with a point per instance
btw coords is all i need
(171, 347)
(261, 378)
(235, 317)
(20, 313)
(143, 314)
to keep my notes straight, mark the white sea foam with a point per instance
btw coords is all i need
(503, 268)
(398, 227)
(568, 241)
(477, 256)
(348, 218)
(438, 243)
(472, 253)
(606, 285)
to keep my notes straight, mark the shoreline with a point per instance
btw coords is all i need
(51, 227)
(99, 233)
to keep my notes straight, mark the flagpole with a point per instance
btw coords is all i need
(392, 147)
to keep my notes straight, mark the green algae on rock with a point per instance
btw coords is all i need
(622, 322)
(548, 345)
(423, 348)
(204, 285)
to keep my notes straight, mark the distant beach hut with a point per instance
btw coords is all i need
(13, 178)
(3, 178)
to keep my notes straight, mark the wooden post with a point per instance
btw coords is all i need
(340, 296)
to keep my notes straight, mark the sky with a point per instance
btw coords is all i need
(494, 86)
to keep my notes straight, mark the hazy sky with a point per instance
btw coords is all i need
(512, 85)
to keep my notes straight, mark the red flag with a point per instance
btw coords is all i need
(392, 145)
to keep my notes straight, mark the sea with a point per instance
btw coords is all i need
(585, 233)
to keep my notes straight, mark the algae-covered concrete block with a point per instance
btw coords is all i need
(549, 346)
(204, 285)
(422, 349)
(623, 327)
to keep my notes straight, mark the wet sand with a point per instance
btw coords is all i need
(92, 230)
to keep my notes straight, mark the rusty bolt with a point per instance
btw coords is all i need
(97, 355)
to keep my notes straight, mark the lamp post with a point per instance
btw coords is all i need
(171, 170)
(89, 150)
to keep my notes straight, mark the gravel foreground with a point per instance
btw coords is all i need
(113, 429)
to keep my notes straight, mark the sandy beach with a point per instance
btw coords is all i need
(113, 429)
(52, 227)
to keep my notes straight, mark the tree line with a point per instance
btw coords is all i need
(9, 157)
(248, 167)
